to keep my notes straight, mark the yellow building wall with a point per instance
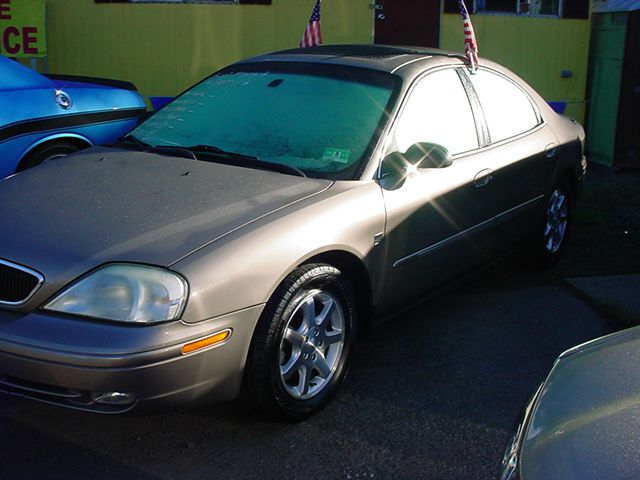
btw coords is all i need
(537, 49)
(165, 48)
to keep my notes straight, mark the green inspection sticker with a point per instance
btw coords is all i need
(338, 155)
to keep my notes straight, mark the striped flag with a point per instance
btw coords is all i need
(470, 44)
(312, 35)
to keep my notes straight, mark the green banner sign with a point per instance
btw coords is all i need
(22, 31)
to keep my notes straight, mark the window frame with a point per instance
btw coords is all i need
(490, 143)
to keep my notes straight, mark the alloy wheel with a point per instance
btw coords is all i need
(557, 218)
(311, 344)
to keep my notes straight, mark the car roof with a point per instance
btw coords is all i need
(387, 58)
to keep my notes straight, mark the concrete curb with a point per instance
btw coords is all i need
(618, 295)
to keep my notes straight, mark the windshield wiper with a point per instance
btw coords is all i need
(170, 149)
(245, 160)
(220, 154)
(163, 149)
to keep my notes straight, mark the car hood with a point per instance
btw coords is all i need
(585, 423)
(101, 205)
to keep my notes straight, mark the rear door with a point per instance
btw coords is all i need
(521, 156)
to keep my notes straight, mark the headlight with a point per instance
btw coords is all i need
(126, 293)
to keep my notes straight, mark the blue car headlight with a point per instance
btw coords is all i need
(511, 459)
(126, 293)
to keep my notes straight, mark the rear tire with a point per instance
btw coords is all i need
(557, 224)
(300, 350)
(45, 152)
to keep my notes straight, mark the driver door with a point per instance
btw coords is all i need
(434, 228)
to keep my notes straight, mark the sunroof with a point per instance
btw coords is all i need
(371, 51)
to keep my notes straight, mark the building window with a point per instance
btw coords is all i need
(532, 8)
(520, 7)
(183, 1)
(255, 2)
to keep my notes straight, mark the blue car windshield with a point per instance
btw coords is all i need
(320, 119)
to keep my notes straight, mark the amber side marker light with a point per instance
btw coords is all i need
(206, 342)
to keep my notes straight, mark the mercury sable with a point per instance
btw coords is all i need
(235, 242)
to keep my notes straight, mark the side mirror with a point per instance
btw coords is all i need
(428, 155)
(396, 166)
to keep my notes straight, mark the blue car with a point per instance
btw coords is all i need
(42, 117)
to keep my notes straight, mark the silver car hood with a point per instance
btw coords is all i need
(70, 215)
(586, 422)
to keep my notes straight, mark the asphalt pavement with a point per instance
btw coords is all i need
(432, 394)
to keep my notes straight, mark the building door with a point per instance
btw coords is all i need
(407, 22)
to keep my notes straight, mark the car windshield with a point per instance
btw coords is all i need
(321, 119)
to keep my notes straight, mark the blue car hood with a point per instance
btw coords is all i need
(585, 424)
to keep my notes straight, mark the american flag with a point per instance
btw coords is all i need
(312, 35)
(470, 44)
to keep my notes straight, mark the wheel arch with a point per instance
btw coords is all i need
(357, 277)
(79, 140)
(569, 176)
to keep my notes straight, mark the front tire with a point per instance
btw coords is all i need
(300, 350)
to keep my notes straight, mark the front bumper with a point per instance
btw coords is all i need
(73, 362)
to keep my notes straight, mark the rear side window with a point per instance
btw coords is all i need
(507, 109)
(438, 111)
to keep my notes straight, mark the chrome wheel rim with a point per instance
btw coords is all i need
(53, 157)
(311, 345)
(557, 218)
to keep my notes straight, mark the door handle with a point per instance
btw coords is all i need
(483, 178)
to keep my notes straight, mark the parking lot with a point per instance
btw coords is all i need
(432, 394)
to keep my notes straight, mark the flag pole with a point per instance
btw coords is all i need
(470, 44)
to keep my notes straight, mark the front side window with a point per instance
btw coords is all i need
(438, 111)
(507, 109)
(320, 119)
